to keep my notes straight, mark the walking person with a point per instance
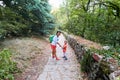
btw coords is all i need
(54, 43)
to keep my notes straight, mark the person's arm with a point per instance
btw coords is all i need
(59, 44)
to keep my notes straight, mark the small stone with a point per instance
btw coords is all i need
(97, 57)
(115, 75)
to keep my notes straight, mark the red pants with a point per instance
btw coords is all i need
(53, 47)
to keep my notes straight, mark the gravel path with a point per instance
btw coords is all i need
(62, 69)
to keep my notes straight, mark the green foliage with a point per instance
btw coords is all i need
(87, 62)
(7, 66)
(99, 70)
(37, 12)
(24, 17)
(112, 52)
(60, 17)
(94, 20)
(12, 24)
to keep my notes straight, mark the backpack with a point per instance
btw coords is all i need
(51, 38)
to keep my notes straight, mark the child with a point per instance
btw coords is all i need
(64, 49)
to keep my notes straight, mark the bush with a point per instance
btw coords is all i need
(12, 24)
(112, 52)
(99, 70)
(87, 62)
(7, 66)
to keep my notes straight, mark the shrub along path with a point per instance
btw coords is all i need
(31, 54)
(62, 69)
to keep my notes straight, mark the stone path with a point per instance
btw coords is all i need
(62, 69)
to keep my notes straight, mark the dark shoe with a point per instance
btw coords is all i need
(63, 57)
(53, 56)
(66, 58)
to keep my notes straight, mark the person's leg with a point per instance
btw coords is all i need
(53, 51)
(53, 54)
(65, 56)
(56, 55)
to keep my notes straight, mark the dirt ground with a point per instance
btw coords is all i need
(87, 43)
(31, 54)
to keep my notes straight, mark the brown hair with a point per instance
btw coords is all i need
(58, 32)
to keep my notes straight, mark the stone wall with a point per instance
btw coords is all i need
(77, 47)
(80, 51)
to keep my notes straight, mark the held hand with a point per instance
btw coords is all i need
(61, 46)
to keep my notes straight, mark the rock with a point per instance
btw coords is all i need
(112, 76)
(113, 64)
(107, 66)
(115, 75)
(106, 47)
(97, 57)
(78, 47)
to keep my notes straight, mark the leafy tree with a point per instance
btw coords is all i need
(96, 20)
(12, 24)
(36, 12)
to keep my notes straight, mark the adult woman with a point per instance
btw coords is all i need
(54, 44)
